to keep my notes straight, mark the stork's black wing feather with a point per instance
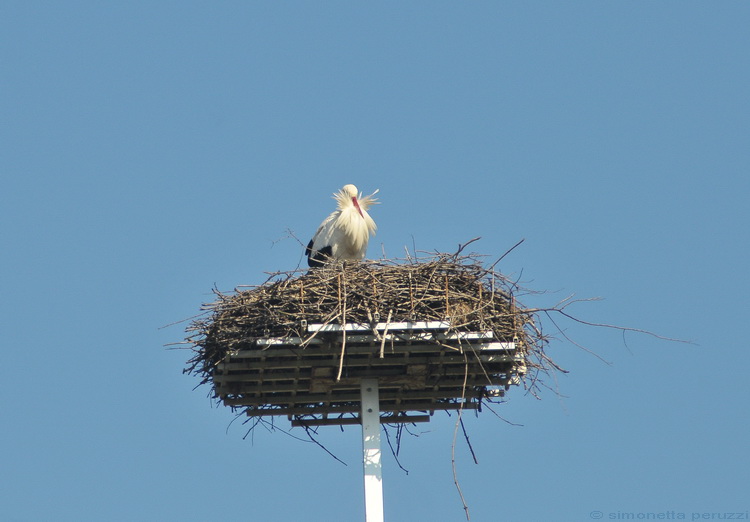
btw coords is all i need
(317, 258)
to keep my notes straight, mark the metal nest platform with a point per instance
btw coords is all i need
(420, 367)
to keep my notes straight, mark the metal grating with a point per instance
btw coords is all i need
(420, 367)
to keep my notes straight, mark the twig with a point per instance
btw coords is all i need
(511, 249)
(455, 434)
(468, 442)
(393, 452)
(461, 247)
(385, 331)
(343, 327)
(623, 328)
(486, 405)
(309, 434)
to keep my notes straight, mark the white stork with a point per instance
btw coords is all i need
(344, 234)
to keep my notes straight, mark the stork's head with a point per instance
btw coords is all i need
(350, 191)
(349, 197)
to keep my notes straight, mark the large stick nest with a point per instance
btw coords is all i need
(443, 287)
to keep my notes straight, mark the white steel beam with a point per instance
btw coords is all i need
(373, 473)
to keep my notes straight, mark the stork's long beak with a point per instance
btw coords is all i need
(356, 205)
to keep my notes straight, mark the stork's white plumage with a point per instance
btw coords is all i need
(344, 234)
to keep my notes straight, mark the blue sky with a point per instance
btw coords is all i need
(151, 150)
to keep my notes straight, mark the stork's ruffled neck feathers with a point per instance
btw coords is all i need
(344, 198)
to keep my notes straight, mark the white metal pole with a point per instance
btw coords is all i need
(373, 473)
